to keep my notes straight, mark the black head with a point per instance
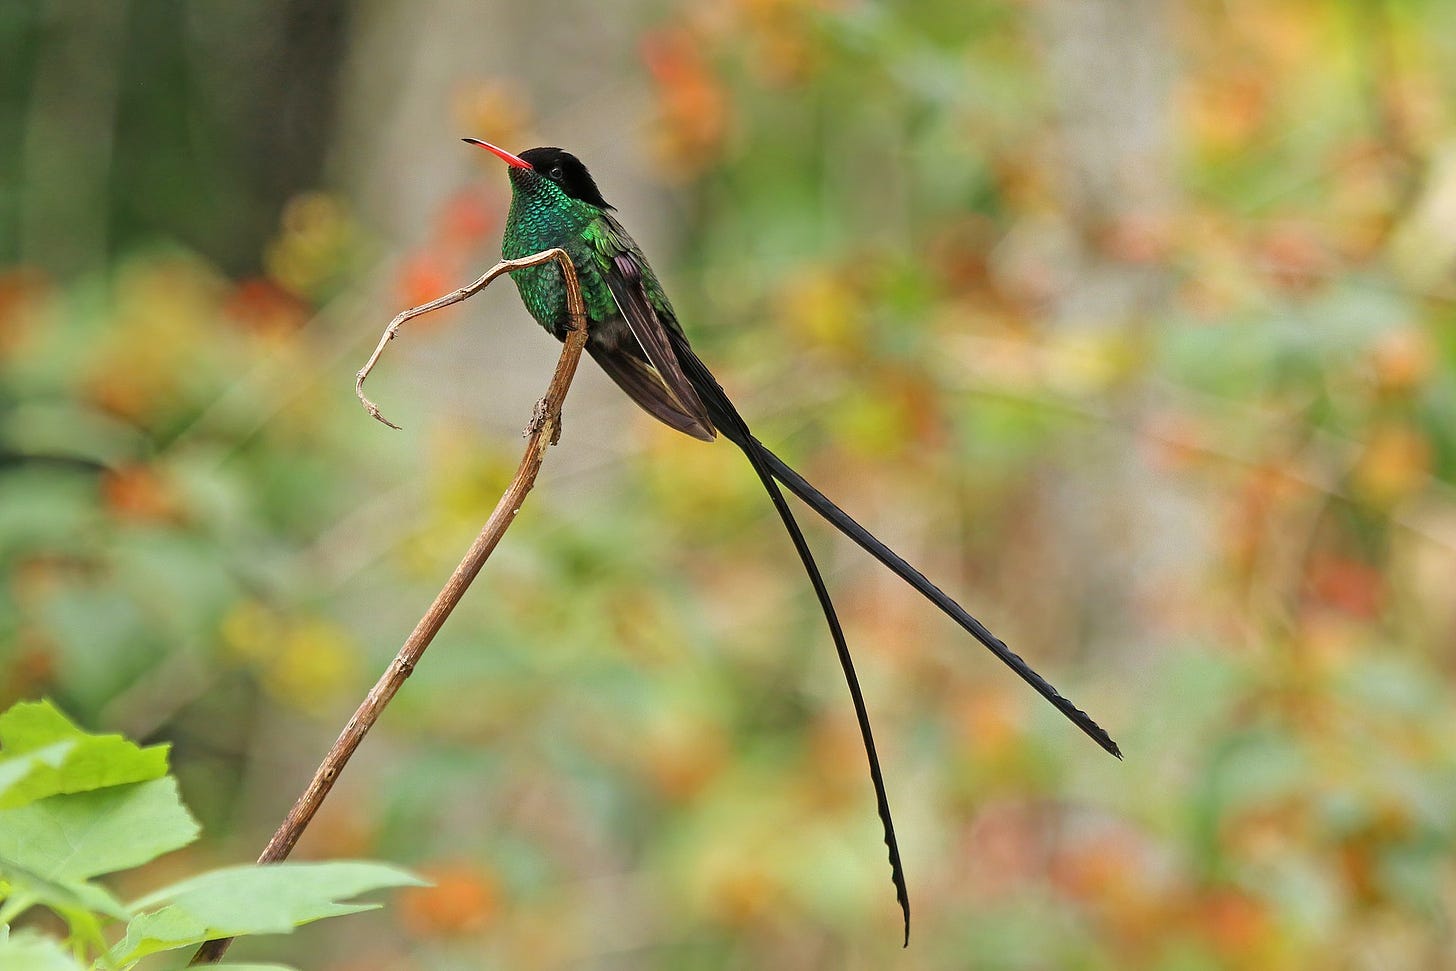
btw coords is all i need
(567, 171)
(562, 169)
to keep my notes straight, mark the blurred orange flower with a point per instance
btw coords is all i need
(424, 276)
(1403, 360)
(1347, 584)
(259, 305)
(692, 106)
(22, 289)
(464, 899)
(1239, 929)
(467, 218)
(139, 493)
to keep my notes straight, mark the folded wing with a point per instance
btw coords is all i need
(656, 383)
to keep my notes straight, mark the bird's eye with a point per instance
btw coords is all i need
(556, 173)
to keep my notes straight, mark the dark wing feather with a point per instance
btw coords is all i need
(624, 279)
(643, 385)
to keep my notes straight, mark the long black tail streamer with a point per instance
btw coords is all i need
(841, 520)
(726, 417)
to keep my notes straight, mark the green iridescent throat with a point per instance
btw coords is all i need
(543, 217)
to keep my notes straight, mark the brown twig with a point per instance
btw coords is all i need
(542, 431)
(574, 306)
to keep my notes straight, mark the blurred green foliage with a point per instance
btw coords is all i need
(1219, 514)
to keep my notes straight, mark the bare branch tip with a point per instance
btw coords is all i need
(373, 411)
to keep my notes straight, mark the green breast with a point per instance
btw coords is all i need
(536, 225)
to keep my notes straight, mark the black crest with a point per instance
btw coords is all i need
(567, 171)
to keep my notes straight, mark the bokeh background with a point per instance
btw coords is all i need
(1131, 321)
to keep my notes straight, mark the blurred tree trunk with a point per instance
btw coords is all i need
(130, 121)
(1113, 69)
(66, 63)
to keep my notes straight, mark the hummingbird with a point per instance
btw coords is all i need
(634, 336)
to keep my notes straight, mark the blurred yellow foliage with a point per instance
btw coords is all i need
(497, 110)
(316, 238)
(162, 311)
(1395, 464)
(305, 662)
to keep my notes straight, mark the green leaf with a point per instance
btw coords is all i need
(31, 952)
(271, 899)
(73, 899)
(42, 753)
(161, 930)
(24, 778)
(167, 930)
(72, 837)
(28, 725)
